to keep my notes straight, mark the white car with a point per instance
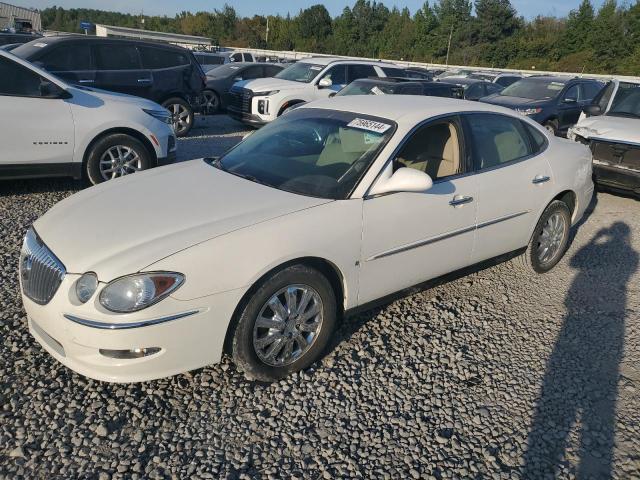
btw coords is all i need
(612, 131)
(336, 205)
(262, 100)
(49, 128)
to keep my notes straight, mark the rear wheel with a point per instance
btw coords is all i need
(182, 115)
(115, 156)
(550, 238)
(285, 325)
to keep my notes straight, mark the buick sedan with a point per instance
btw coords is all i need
(259, 253)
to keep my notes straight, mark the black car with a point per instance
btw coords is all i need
(418, 73)
(554, 102)
(8, 38)
(400, 86)
(474, 89)
(166, 74)
(221, 79)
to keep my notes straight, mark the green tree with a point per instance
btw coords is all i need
(578, 29)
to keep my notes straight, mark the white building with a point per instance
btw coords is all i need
(186, 41)
(19, 19)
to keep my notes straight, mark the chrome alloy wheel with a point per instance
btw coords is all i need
(119, 161)
(211, 102)
(179, 117)
(287, 325)
(551, 238)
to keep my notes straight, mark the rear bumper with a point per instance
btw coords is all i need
(617, 177)
(168, 160)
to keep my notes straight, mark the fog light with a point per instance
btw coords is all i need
(261, 104)
(129, 354)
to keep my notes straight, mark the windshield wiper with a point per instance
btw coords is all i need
(215, 162)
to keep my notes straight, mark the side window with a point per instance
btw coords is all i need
(116, 57)
(590, 90)
(248, 57)
(236, 57)
(474, 91)
(572, 94)
(271, 71)
(338, 74)
(395, 72)
(411, 90)
(433, 149)
(67, 58)
(252, 72)
(602, 98)
(153, 58)
(360, 71)
(18, 81)
(497, 139)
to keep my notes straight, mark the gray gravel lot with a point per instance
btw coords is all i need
(501, 374)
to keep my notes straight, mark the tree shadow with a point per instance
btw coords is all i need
(580, 386)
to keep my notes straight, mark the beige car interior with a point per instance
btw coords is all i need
(346, 146)
(434, 150)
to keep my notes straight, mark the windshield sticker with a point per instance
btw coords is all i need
(39, 44)
(556, 86)
(376, 91)
(370, 125)
(314, 67)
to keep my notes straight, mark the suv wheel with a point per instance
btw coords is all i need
(115, 156)
(211, 102)
(182, 114)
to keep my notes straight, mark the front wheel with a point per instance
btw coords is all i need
(551, 126)
(550, 238)
(182, 115)
(115, 156)
(285, 325)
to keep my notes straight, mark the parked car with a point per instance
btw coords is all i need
(612, 131)
(418, 73)
(400, 86)
(10, 46)
(209, 60)
(221, 79)
(474, 89)
(502, 79)
(554, 102)
(166, 74)
(460, 73)
(258, 102)
(51, 128)
(8, 37)
(335, 205)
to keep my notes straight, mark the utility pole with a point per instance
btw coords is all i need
(266, 38)
(449, 45)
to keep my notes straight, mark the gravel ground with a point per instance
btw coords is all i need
(501, 374)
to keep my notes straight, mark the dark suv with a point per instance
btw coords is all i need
(166, 74)
(400, 86)
(554, 102)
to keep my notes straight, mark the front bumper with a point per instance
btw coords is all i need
(618, 178)
(246, 118)
(186, 343)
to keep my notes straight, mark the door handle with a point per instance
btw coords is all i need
(144, 80)
(86, 81)
(540, 179)
(460, 200)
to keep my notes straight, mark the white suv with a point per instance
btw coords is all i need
(49, 128)
(257, 102)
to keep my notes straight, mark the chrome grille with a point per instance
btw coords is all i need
(40, 271)
(241, 99)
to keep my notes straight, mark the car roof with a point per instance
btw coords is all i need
(53, 40)
(462, 80)
(330, 60)
(409, 109)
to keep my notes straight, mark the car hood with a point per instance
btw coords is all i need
(122, 226)
(267, 84)
(621, 129)
(106, 96)
(513, 102)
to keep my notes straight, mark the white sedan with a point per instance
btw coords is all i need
(338, 204)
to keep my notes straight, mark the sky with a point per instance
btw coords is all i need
(527, 8)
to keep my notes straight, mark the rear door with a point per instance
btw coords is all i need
(71, 61)
(168, 69)
(119, 69)
(514, 178)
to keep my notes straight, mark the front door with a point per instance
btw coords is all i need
(409, 238)
(72, 62)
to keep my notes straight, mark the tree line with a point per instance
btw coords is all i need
(480, 33)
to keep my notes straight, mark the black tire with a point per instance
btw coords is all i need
(243, 351)
(532, 255)
(212, 105)
(113, 141)
(551, 126)
(183, 115)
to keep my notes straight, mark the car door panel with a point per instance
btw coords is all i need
(122, 72)
(72, 62)
(569, 112)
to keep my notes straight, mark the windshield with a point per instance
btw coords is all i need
(534, 88)
(314, 152)
(225, 70)
(627, 101)
(300, 72)
(365, 88)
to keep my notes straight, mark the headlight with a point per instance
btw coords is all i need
(135, 292)
(265, 94)
(86, 286)
(528, 111)
(163, 115)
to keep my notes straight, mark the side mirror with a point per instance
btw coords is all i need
(403, 180)
(593, 110)
(325, 82)
(332, 94)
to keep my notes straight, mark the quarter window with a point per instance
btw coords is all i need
(433, 149)
(497, 139)
(159, 58)
(117, 57)
(16, 80)
(68, 58)
(360, 71)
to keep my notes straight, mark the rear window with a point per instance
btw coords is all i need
(160, 58)
(116, 57)
(210, 59)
